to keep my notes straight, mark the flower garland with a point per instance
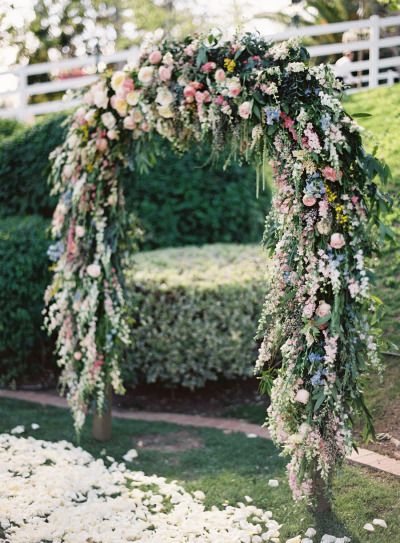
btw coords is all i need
(261, 101)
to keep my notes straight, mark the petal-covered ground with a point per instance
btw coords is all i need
(57, 492)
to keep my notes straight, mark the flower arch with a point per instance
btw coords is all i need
(261, 101)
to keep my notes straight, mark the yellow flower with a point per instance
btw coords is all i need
(89, 168)
(229, 64)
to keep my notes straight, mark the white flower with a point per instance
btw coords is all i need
(93, 270)
(117, 80)
(302, 396)
(18, 430)
(145, 74)
(168, 58)
(245, 110)
(165, 111)
(108, 120)
(273, 483)
(100, 98)
(133, 97)
(130, 455)
(164, 96)
(296, 67)
(79, 231)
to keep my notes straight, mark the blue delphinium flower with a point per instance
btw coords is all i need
(325, 121)
(55, 251)
(272, 114)
(314, 357)
(316, 379)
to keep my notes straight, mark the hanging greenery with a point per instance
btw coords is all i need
(261, 102)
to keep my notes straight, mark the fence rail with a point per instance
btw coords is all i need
(377, 69)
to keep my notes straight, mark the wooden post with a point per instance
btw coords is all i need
(322, 502)
(102, 422)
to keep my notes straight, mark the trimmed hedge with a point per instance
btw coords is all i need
(24, 168)
(198, 309)
(24, 347)
(184, 200)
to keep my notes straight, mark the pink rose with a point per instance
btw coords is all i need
(245, 110)
(337, 241)
(234, 86)
(129, 123)
(80, 231)
(164, 73)
(302, 396)
(78, 355)
(208, 67)
(219, 75)
(155, 57)
(202, 96)
(309, 200)
(93, 270)
(101, 144)
(128, 85)
(323, 309)
(189, 93)
(331, 174)
(189, 50)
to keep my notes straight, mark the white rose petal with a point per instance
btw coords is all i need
(327, 538)
(369, 527)
(311, 532)
(130, 455)
(251, 436)
(273, 483)
(379, 522)
(18, 430)
(35, 426)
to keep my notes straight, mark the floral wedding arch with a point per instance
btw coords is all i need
(262, 102)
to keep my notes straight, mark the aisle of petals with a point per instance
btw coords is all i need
(59, 493)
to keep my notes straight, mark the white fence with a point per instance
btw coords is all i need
(370, 39)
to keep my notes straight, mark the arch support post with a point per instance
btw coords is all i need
(321, 498)
(102, 422)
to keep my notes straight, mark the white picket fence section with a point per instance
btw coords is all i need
(372, 72)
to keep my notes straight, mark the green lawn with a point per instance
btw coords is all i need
(228, 467)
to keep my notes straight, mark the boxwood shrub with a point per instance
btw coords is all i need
(197, 312)
(25, 349)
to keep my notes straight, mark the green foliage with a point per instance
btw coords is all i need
(195, 310)
(24, 348)
(9, 127)
(24, 168)
(186, 201)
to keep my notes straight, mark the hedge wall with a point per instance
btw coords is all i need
(184, 201)
(198, 311)
(25, 350)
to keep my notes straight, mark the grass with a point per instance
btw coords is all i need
(228, 467)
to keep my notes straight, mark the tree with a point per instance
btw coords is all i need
(55, 29)
(316, 12)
